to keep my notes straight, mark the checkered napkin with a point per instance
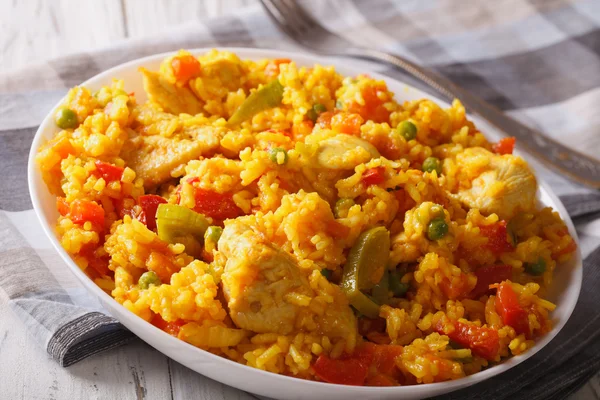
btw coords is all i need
(537, 60)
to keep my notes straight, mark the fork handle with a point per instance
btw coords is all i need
(555, 155)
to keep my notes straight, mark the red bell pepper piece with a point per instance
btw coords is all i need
(149, 204)
(497, 234)
(508, 307)
(489, 275)
(216, 205)
(483, 342)
(373, 176)
(346, 370)
(505, 146)
(108, 171)
(83, 211)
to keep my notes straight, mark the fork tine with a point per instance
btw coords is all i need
(289, 17)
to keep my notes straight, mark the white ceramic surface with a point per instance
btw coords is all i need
(565, 290)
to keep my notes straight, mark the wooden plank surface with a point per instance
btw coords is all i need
(35, 30)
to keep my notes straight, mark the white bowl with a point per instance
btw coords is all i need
(565, 290)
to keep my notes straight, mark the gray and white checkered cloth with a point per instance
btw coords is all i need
(537, 60)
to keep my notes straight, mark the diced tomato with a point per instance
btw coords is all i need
(172, 328)
(63, 147)
(83, 211)
(489, 275)
(381, 380)
(347, 123)
(505, 146)
(373, 108)
(185, 67)
(95, 263)
(324, 119)
(347, 370)
(483, 342)
(384, 358)
(62, 206)
(373, 176)
(337, 230)
(216, 205)
(149, 204)
(108, 171)
(508, 307)
(272, 68)
(498, 240)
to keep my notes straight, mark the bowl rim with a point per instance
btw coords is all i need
(34, 177)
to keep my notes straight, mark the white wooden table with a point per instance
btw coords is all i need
(34, 30)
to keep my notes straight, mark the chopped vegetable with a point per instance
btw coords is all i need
(147, 279)
(214, 233)
(268, 96)
(347, 370)
(109, 172)
(437, 228)
(177, 224)
(326, 273)
(364, 267)
(498, 239)
(272, 69)
(185, 67)
(407, 130)
(62, 206)
(278, 155)
(314, 112)
(432, 164)
(489, 275)
(537, 268)
(398, 287)
(83, 211)
(342, 206)
(216, 205)
(505, 146)
(149, 204)
(172, 328)
(508, 307)
(381, 291)
(66, 118)
(483, 342)
(347, 123)
(373, 176)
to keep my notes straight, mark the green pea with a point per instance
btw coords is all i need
(537, 268)
(326, 273)
(312, 115)
(341, 207)
(437, 229)
(66, 118)
(274, 155)
(319, 108)
(432, 164)
(398, 287)
(147, 279)
(408, 130)
(214, 233)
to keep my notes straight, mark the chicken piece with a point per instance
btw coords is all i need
(500, 184)
(153, 158)
(257, 280)
(172, 98)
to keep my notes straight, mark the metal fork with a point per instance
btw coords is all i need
(306, 31)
